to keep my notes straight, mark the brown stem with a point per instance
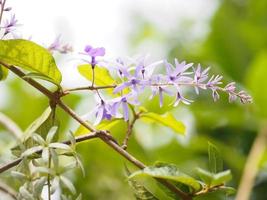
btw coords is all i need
(129, 130)
(89, 88)
(2, 11)
(252, 165)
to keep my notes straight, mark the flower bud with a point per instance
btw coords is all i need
(8, 9)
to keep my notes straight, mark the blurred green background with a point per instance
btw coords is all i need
(235, 45)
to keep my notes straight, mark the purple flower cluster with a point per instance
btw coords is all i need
(136, 77)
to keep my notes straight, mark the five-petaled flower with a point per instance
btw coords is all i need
(93, 53)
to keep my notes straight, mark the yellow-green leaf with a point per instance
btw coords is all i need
(212, 179)
(167, 120)
(104, 125)
(3, 73)
(168, 172)
(102, 76)
(30, 56)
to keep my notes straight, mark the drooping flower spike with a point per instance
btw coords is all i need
(137, 76)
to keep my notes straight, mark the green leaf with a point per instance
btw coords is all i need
(29, 56)
(68, 184)
(221, 178)
(140, 191)
(42, 124)
(205, 176)
(215, 159)
(104, 125)
(216, 195)
(212, 179)
(228, 190)
(167, 120)
(168, 172)
(102, 76)
(3, 73)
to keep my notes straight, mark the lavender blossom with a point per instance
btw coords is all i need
(144, 69)
(230, 88)
(178, 73)
(199, 77)
(136, 75)
(123, 102)
(160, 90)
(93, 53)
(121, 66)
(133, 81)
(180, 98)
(10, 25)
(102, 112)
(58, 46)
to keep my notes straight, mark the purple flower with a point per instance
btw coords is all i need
(93, 53)
(121, 66)
(123, 103)
(144, 69)
(178, 73)
(10, 25)
(244, 97)
(180, 98)
(160, 90)
(230, 88)
(132, 82)
(58, 46)
(215, 95)
(102, 112)
(199, 77)
(214, 81)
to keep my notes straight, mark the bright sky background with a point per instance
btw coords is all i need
(102, 22)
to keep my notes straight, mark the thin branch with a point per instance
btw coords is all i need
(252, 165)
(103, 135)
(89, 88)
(2, 10)
(130, 126)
